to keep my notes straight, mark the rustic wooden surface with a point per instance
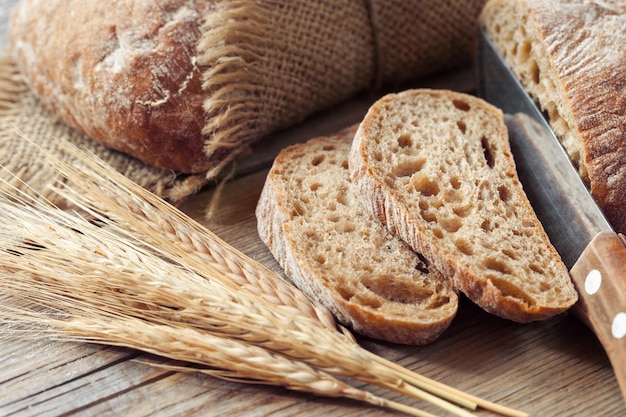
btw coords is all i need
(551, 368)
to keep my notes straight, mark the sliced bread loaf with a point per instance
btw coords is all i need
(436, 168)
(318, 231)
(570, 57)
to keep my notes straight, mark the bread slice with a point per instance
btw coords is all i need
(570, 57)
(436, 168)
(318, 231)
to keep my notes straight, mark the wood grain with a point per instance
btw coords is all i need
(552, 368)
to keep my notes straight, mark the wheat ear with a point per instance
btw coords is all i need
(111, 277)
(141, 211)
(215, 356)
(115, 271)
(381, 374)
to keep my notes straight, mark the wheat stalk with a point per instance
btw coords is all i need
(219, 357)
(128, 280)
(185, 239)
(112, 279)
(136, 291)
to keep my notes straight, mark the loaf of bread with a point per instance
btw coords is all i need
(436, 168)
(188, 85)
(570, 57)
(319, 232)
(124, 73)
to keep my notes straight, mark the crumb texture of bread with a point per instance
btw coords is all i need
(435, 166)
(570, 56)
(319, 232)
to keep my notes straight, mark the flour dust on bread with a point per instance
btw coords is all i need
(319, 232)
(124, 73)
(570, 57)
(436, 168)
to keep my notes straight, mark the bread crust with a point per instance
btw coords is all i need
(427, 233)
(128, 79)
(579, 48)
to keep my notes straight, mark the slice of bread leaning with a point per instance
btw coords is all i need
(436, 168)
(335, 251)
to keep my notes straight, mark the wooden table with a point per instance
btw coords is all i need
(551, 368)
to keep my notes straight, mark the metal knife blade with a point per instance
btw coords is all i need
(561, 201)
(593, 252)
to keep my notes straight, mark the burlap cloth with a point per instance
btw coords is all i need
(266, 66)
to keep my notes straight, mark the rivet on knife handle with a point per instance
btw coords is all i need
(600, 278)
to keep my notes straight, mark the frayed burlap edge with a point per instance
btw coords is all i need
(228, 114)
(243, 48)
(22, 115)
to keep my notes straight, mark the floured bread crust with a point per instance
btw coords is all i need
(129, 79)
(571, 57)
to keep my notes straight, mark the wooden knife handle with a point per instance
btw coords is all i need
(600, 278)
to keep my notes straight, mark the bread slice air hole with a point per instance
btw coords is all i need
(509, 290)
(464, 247)
(428, 215)
(496, 265)
(453, 196)
(545, 287)
(489, 155)
(451, 225)
(523, 52)
(461, 105)
(404, 292)
(504, 193)
(345, 227)
(315, 186)
(510, 254)
(298, 209)
(408, 168)
(343, 199)
(462, 210)
(318, 160)
(423, 184)
(535, 72)
(405, 141)
(462, 126)
(345, 292)
(423, 264)
(536, 268)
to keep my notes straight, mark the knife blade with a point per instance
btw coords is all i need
(594, 254)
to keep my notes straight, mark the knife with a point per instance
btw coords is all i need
(594, 254)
